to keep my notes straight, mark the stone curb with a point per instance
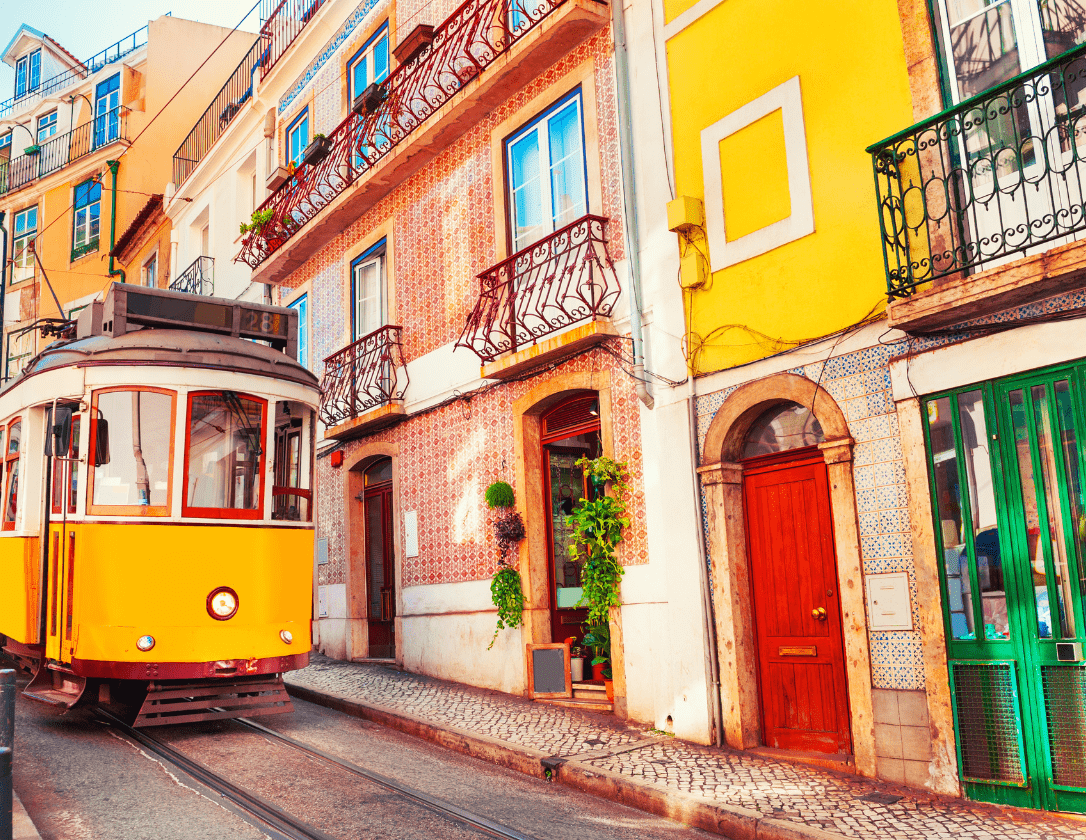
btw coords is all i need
(22, 827)
(729, 821)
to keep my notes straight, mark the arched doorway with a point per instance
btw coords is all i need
(793, 573)
(376, 500)
(569, 431)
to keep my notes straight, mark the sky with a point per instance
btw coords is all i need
(85, 27)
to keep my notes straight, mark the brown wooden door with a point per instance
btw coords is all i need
(796, 607)
(380, 572)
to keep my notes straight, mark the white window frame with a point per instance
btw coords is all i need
(301, 306)
(47, 125)
(81, 236)
(24, 72)
(538, 126)
(299, 127)
(375, 256)
(149, 271)
(22, 265)
(365, 57)
(107, 120)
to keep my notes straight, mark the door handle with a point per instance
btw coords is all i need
(819, 614)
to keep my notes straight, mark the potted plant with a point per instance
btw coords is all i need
(257, 222)
(32, 149)
(317, 150)
(370, 99)
(505, 588)
(598, 638)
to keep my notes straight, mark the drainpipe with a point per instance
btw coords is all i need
(625, 142)
(113, 272)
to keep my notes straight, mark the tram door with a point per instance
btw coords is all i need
(380, 566)
(60, 618)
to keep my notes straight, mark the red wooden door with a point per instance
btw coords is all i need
(796, 607)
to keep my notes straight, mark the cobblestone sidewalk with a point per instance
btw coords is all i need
(773, 789)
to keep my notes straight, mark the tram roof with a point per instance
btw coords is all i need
(173, 348)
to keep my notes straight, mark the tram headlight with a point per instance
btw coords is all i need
(145, 643)
(222, 603)
(286, 636)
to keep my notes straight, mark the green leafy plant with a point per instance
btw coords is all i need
(318, 136)
(508, 597)
(597, 526)
(500, 495)
(258, 222)
(598, 637)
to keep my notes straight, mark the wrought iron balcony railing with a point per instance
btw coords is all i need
(992, 178)
(50, 86)
(561, 280)
(364, 375)
(464, 45)
(57, 152)
(283, 23)
(197, 279)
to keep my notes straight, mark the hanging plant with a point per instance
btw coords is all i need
(505, 589)
(259, 219)
(597, 526)
(500, 495)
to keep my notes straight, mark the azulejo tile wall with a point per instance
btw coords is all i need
(449, 456)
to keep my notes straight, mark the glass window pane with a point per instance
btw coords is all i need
(1076, 489)
(369, 315)
(135, 427)
(567, 488)
(982, 510)
(567, 165)
(783, 427)
(950, 522)
(14, 436)
(12, 505)
(361, 75)
(224, 452)
(985, 46)
(527, 189)
(380, 59)
(1055, 531)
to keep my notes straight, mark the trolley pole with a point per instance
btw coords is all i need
(7, 744)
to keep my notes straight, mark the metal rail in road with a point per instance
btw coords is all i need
(284, 826)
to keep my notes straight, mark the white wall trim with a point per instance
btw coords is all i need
(698, 10)
(788, 99)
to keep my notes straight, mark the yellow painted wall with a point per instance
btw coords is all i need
(850, 61)
(20, 583)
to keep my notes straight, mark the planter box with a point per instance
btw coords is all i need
(32, 150)
(316, 151)
(417, 39)
(369, 100)
(276, 178)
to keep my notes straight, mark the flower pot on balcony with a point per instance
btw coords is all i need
(417, 39)
(317, 151)
(32, 150)
(369, 100)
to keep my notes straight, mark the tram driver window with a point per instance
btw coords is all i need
(130, 438)
(224, 456)
(292, 496)
(11, 475)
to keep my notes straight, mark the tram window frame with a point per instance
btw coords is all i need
(194, 512)
(11, 469)
(99, 509)
(66, 472)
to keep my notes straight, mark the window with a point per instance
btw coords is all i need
(47, 126)
(131, 444)
(368, 292)
(26, 230)
(66, 472)
(298, 138)
(301, 306)
(88, 205)
(150, 271)
(27, 74)
(5, 146)
(546, 173)
(20, 349)
(224, 456)
(369, 64)
(291, 495)
(107, 111)
(11, 475)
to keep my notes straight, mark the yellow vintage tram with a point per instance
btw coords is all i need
(156, 536)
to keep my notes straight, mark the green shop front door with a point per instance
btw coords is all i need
(1006, 463)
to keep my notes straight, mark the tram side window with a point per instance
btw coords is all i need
(292, 497)
(11, 475)
(224, 456)
(131, 433)
(66, 473)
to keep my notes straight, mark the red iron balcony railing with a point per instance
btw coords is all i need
(463, 46)
(364, 375)
(565, 278)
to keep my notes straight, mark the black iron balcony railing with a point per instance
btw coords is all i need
(987, 180)
(57, 152)
(472, 38)
(50, 86)
(364, 375)
(559, 281)
(197, 279)
(283, 23)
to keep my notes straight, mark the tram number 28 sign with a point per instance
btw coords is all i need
(262, 322)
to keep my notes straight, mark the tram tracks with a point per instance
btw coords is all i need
(273, 819)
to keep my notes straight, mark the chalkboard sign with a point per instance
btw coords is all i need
(548, 671)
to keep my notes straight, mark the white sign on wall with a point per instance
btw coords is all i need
(888, 603)
(411, 533)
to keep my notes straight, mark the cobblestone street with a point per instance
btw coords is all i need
(730, 780)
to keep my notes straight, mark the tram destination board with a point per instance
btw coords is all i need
(128, 308)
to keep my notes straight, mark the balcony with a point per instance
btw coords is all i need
(283, 24)
(363, 385)
(527, 302)
(981, 205)
(57, 83)
(57, 152)
(479, 57)
(197, 279)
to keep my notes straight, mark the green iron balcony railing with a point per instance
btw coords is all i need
(998, 176)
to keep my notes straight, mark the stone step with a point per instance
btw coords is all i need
(579, 703)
